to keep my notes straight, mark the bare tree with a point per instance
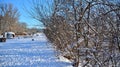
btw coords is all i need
(9, 16)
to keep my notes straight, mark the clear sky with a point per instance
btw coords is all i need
(24, 17)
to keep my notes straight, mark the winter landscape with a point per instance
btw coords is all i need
(59, 33)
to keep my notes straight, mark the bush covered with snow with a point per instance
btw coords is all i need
(84, 31)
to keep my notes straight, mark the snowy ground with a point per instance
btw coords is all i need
(23, 52)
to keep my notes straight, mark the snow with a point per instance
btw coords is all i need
(64, 59)
(10, 32)
(23, 52)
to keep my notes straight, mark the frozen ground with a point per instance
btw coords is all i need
(23, 52)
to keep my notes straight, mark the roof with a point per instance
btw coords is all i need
(10, 32)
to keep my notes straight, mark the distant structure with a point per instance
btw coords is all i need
(9, 35)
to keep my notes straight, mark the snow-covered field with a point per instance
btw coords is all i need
(23, 52)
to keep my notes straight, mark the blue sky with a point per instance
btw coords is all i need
(24, 17)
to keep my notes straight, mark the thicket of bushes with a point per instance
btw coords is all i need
(86, 32)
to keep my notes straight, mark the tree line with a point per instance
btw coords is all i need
(9, 19)
(87, 32)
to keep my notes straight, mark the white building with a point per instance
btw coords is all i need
(9, 35)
